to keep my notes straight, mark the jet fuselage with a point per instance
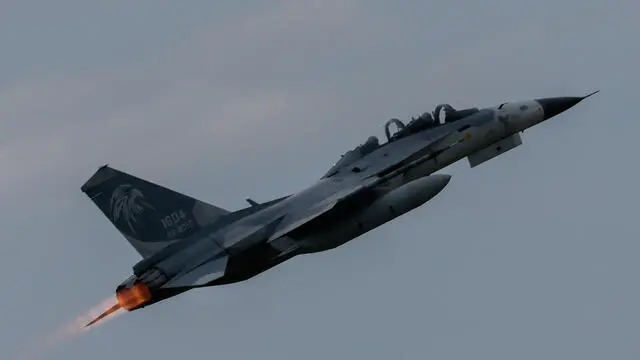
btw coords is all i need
(355, 197)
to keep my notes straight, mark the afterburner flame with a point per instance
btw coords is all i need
(106, 306)
(134, 297)
(71, 330)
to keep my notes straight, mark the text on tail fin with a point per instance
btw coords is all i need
(150, 216)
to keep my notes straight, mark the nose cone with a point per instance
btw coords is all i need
(556, 105)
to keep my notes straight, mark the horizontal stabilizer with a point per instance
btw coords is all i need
(201, 275)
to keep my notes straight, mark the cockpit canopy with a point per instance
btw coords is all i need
(422, 122)
(426, 121)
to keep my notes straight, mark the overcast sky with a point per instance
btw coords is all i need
(533, 255)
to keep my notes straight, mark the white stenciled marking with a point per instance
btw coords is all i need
(128, 203)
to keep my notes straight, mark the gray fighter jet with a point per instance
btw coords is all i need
(187, 243)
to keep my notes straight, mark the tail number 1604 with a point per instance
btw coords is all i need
(173, 219)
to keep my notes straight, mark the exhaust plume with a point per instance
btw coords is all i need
(72, 329)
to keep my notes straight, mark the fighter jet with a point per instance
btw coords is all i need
(187, 243)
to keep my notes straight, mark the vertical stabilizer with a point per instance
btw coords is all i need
(148, 215)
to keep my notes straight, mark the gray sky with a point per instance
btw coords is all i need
(532, 255)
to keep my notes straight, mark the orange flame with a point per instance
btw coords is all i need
(132, 298)
(127, 299)
(71, 330)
